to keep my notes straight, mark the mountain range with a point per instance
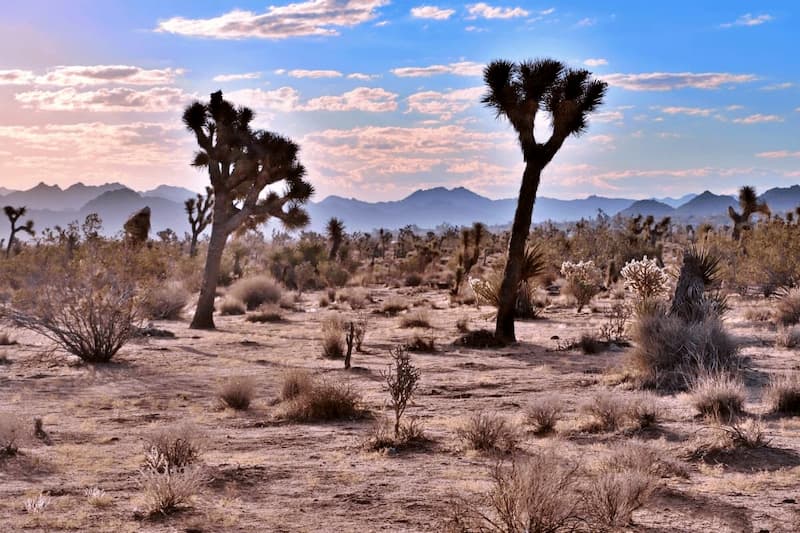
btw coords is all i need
(50, 205)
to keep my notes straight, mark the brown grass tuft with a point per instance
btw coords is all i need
(325, 400)
(718, 396)
(489, 432)
(237, 392)
(255, 291)
(783, 394)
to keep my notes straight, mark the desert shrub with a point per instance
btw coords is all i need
(361, 324)
(12, 432)
(382, 436)
(237, 392)
(783, 394)
(231, 306)
(6, 340)
(90, 309)
(332, 338)
(612, 497)
(668, 349)
(489, 432)
(166, 491)
(255, 291)
(583, 281)
(413, 280)
(481, 339)
(590, 344)
(462, 325)
(643, 411)
(746, 434)
(645, 278)
(529, 303)
(166, 302)
(325, 400)
(97, 497)
(324, 301)
(416, 319)
(788, 337)
(544, 413)
(536, 494)
(393, 305)
(402, 379)
(640, 457)
(171, 449)
(268, 313)
(787, 306)
(606, 411)
(418, 343)
(38, 504)
(615, 327)
(758, 314)
(356, 297)
(718, 395)
(295, 383)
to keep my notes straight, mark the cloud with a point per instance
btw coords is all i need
(758, 118)
(778, 86)
(586, 22)
(462, 68)
(287, 99)
(607, 116)
(301, 73)
(748, 20)
(444, 104)
(236, 77)
(691, 111)
(778, 154)
(595, 62)
(669, 81)
(431, 12)
(17, 77)
(300, 19)
(734, 107)
(484, 10)
(373, 100)
(361, 76)
(158, 99)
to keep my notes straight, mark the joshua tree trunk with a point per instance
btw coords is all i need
(204, 314)
(193, 245)
(504, 328)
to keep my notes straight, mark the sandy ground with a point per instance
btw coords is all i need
(271, 475)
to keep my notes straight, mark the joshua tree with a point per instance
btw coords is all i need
(748, 203)
(199, 212)
(335, 229)
(241, 163)
(470, 243)
(137, 227)
(518, 91)
(14, 214)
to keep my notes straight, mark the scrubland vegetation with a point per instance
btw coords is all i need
(647, 381)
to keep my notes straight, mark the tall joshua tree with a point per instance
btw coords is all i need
(335, 230)
(518, 91)
(199, 212)
(748, 203)
(14, 214)
(241, 164)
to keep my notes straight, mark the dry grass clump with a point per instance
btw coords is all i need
(356, 297)
(12, 433)
(332, 338)
(97, 497)
(747, 434)
(166, 302)
(480, 339)
(544, 413)
(783, 395)
(667, 348)
(719, 396)
(266, 313)
(537, 494)
(421, 344)
(643, 411)
(165, 492)
(606, 412)
(6, 340)
(612, 497)
(382, 437)
(637, 456)
(757, 314)
(788, 337)
(237, 392)
(590, 344)
(230, 306)
(256, 291)
(416, 319)
(38, 504)
(727, 439)
(392, 306)
(324, 400)
(296, 381)
(787, 306)
(489, 432)
(171, 448)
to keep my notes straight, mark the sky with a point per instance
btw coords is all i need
(384, 97)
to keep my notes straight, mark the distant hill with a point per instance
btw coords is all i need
(50, 205)
(648, 207)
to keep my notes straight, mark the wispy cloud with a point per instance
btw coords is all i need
(758, 118)
(309, 18)
(86, 75)
(595, 62)
(691, 111)
(779, 154)
(361, 76)
(669, 81)
(462, 68)
(444, 104)
(431, 12)
(120, 99)
(778, 86)
(287, 99)
(586, 22)
(486, 11)
(237, 77)
(302, 73)
(748, 19)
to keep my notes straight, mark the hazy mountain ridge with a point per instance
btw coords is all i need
(427, 208)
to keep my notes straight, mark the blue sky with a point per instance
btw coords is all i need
(383, 97)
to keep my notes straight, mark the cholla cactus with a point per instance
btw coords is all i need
(584, 280)
(645, 278)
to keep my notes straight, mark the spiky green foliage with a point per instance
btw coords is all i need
(335, 231)
(699, 272)
(749, 205)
